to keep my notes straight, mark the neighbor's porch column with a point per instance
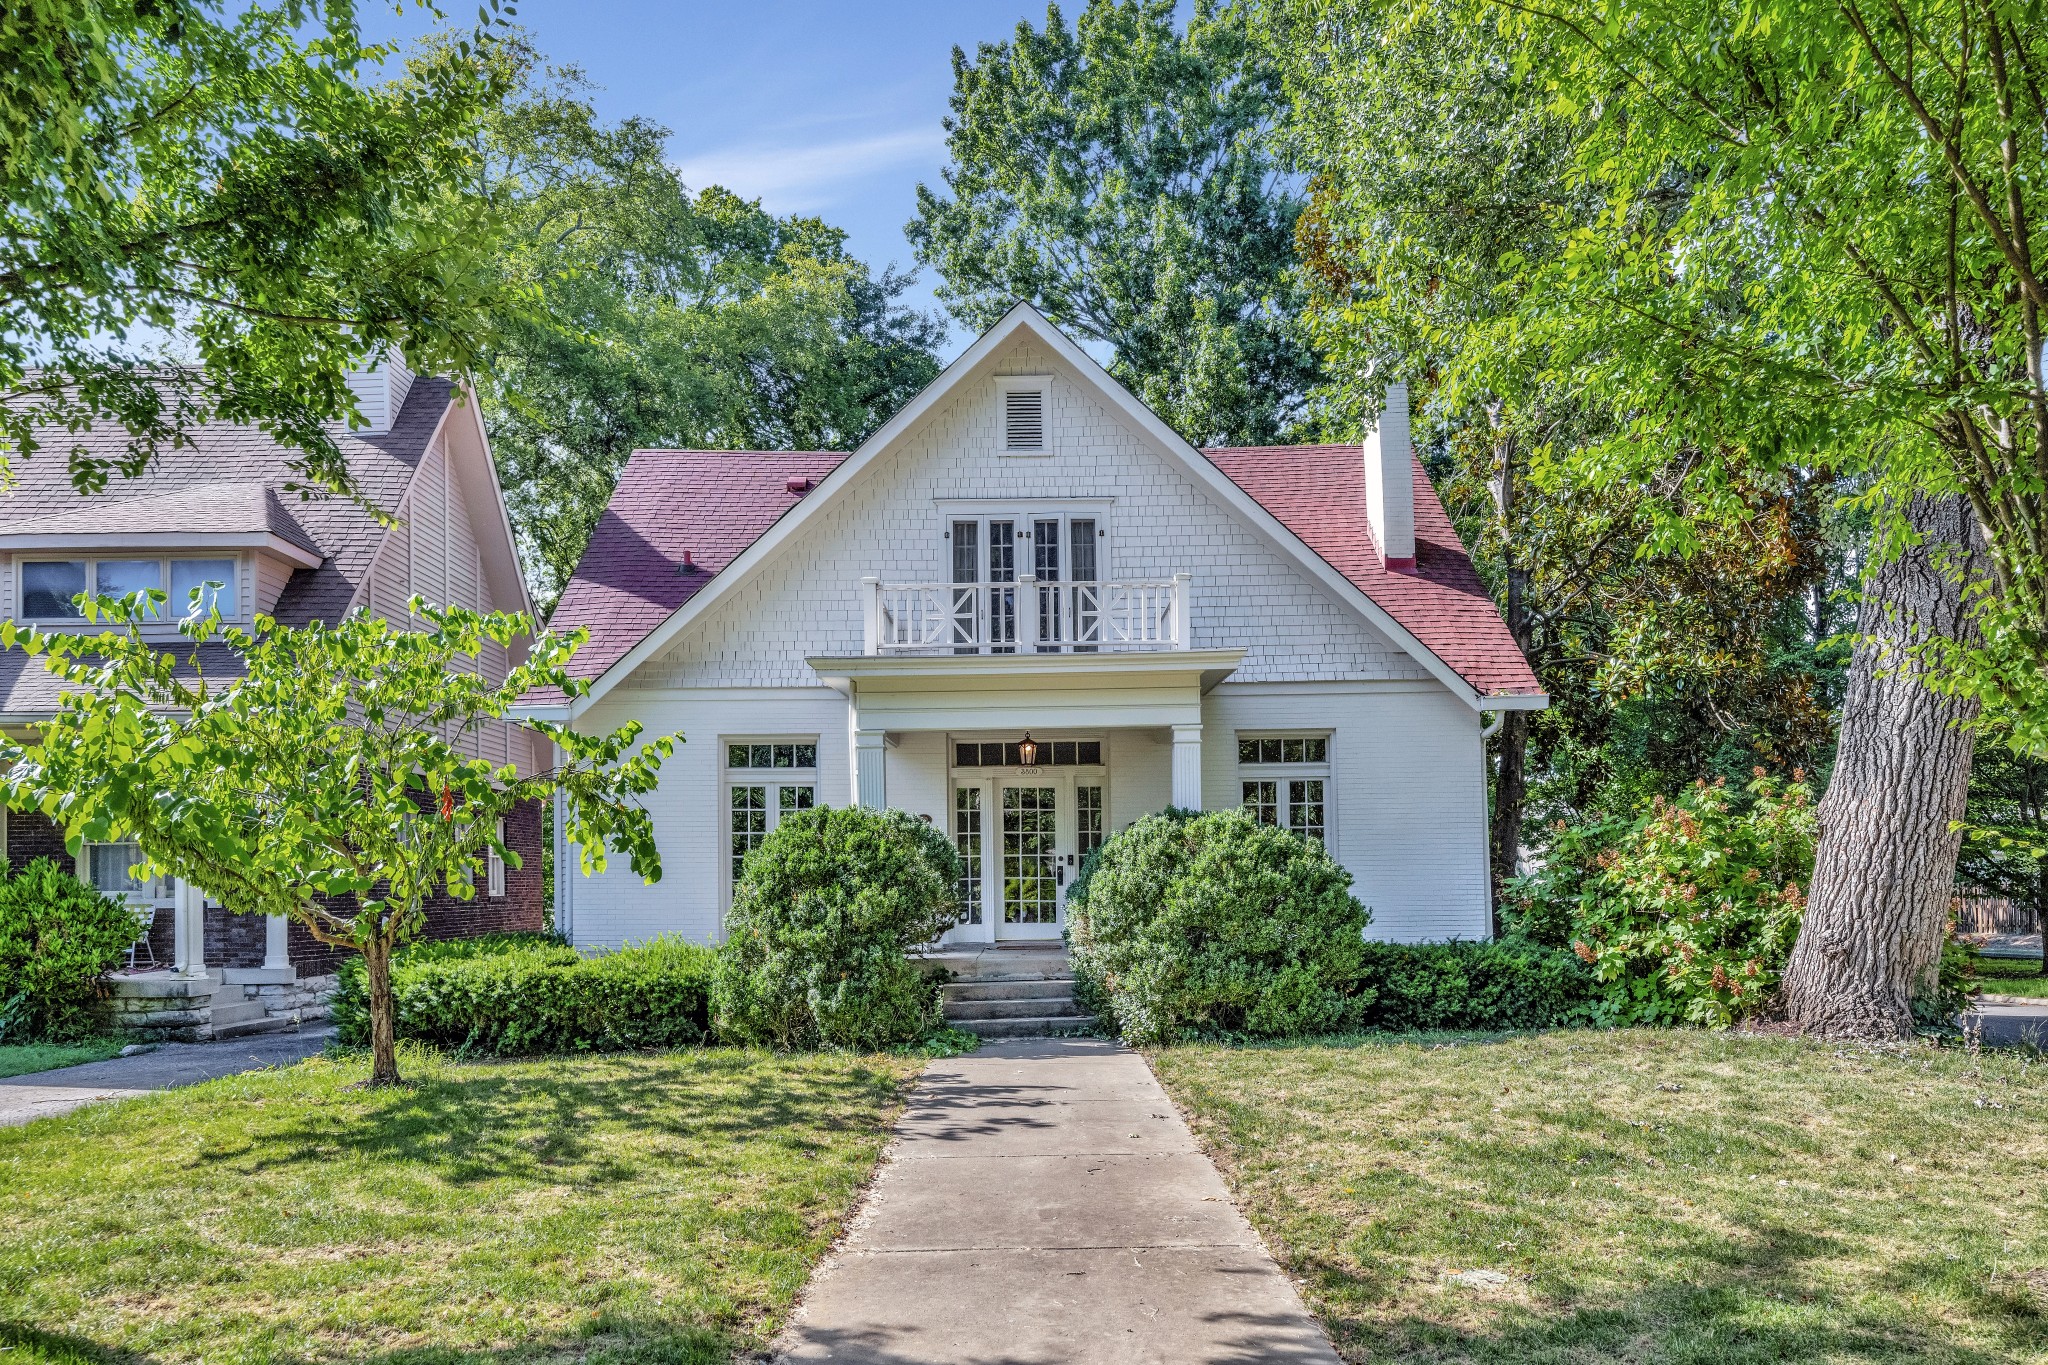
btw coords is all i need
(188, 929)
(1187, 766)
(870, 752)
(276, 930)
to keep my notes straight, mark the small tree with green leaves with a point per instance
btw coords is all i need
(329, 777)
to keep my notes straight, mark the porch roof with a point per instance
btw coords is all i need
(1003, 691)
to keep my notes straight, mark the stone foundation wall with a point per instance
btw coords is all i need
(305, 999)
(162, 1009)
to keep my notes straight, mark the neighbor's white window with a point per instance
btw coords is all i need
(765, 779)
(1285, 778)
(111, 868)
(50, 587)
(494, 867)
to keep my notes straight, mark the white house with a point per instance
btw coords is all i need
(1028, 611)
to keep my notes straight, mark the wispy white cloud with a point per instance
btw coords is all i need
(805, 177)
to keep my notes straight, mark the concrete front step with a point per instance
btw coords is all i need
(1009, 990)
(1042, 1027)
(250, 1027)
(1030, 1007)
(230, 1012)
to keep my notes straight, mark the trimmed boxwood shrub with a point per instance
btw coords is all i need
(1412, 987)
(518, 994)
(1211, 924)
(58, 939)
(827, 909)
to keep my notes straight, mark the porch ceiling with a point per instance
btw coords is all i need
(995, 692)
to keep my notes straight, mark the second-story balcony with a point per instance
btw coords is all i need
(1027, 616)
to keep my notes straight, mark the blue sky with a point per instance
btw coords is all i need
(830, 109)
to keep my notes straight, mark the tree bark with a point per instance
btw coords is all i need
(1885, 869)
(383, 1023)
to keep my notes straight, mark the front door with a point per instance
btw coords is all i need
(1031, 877)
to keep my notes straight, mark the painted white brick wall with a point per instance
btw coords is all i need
(807, 601)
(616, 907)
(1406, 808)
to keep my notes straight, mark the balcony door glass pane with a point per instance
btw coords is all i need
(1002, 600)
(48, 587)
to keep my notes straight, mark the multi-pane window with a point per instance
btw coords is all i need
(1063, 753)
(112, 869)
(967, 837)
(50, 587)
(1285, 781)
(1087, 819)
(494, 867)
(765, 780)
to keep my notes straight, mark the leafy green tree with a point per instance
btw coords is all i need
(236, 178)
(329, 780)
(2005, 831)
(653, 316)
(1123, 175)
(1815, 248)
(1440, 191)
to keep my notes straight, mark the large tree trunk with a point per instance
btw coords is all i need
(1510, 796)
(383, 1025)
(1511, 782)
(1878, 907)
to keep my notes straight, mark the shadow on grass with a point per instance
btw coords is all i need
(487, 1120)
(608, 1341)
(24, 1344)
(1751, 1298)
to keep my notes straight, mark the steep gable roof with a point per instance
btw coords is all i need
(1318, 492)
(1023, 319)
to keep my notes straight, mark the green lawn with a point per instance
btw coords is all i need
(23, 1058)
(1651, 1196)
(634, 1208)
(2011, 976)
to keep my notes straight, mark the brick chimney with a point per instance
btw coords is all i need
(1390, 483)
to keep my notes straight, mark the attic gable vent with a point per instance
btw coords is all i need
(1024, 419)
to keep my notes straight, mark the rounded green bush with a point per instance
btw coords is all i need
(825, 915)
(1193, 925)
(58, 938)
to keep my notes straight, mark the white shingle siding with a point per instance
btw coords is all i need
(806, 601)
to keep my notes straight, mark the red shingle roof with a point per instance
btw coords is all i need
(711, 503)
(1318, 492)
(715, 504)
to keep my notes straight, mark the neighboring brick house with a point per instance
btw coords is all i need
(223, 510)
(1028, 611)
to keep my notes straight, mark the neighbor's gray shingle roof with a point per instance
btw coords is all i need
(240, 474)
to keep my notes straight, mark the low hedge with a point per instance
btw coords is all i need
(518, 994)
(1413, 987)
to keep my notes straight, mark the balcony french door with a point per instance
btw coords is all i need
(1029, 581)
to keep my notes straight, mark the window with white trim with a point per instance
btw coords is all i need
(48, 589)
(765, 779)
(494, 867)
(1285, 781)
(111, 869)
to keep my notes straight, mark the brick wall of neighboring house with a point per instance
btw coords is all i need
(238, 940)
(520, 908)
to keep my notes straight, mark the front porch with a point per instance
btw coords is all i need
(1028, 761)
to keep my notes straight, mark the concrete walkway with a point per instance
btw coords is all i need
(43, 1093)
(1044, 1202)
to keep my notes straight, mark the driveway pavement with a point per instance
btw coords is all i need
(43, 1093)
(1043, 1202)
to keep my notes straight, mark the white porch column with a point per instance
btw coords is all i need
(188, 929)
(870, 752)
(276, 929)
(1187, 766)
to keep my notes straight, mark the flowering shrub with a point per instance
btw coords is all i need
(1687, 913)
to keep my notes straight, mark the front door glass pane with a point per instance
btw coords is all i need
(1031, 893)
(967, 839)
(1088, 819)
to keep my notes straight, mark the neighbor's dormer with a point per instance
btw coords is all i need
(231, 546)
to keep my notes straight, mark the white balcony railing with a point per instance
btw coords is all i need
(1025, 617)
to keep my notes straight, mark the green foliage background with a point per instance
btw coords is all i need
(58, 938)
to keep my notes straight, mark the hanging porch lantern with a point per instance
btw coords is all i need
(1027, 751)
